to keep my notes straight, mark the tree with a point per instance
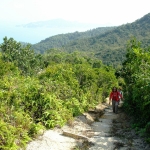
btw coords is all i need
(22, 56)
(136, 72)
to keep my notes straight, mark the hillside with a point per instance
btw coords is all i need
(107, 44)
(63, 39)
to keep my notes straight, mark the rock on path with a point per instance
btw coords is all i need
(52, 140)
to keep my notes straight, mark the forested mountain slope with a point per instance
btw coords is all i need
(109, 45)
(63, 39)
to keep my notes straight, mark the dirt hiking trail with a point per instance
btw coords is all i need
(98, 129)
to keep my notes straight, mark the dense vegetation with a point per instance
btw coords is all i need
(108, 46)
(136, 73)
(39, 91)
(43, 91)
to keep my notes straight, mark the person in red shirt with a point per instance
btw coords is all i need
(114, 97)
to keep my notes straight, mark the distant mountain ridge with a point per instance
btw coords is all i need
(55, 23)
(107, 44)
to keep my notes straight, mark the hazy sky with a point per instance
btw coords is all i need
(114, 12)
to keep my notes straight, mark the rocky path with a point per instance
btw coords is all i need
(99, 129)
(113, 132)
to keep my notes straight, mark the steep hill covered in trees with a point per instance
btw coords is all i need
(63, 39)
(39, 91)
(107, 44)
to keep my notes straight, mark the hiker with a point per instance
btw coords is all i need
(120, 91)
(114, 97)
